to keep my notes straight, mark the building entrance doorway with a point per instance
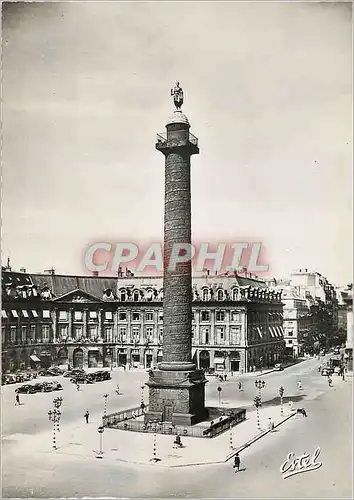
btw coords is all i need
(122, 359)
(204, 359)
(148, 360)
(78, 358)
(92, 359)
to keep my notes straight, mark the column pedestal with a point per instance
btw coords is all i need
(176, 397)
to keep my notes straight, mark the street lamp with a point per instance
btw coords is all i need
(54, 416)
(257, 404)
(142, 404)
(260, 384)
(281, 393)
(105, 404)
(154, 446)
(231, 436)
(100, 431)
(219, 391)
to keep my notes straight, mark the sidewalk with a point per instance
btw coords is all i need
(138, 448)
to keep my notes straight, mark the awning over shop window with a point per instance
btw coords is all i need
(259, 331)
(219, 361)
(271, 331)
(25, 313)
(35, 358)
(35, 314)
(14, 313)
(3, 314)
(280, 330)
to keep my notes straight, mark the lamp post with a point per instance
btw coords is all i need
(154, 445)
(100, 431)
(281, 393)
(260, 384)
(54, 416)
(257, 404)
(219, 391)
(142, 404)
(231, 437)
(105, 404)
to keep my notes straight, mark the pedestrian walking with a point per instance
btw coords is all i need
(299, 385)
(77, 387)
(225, 377)
(239, 386)
(237, 463)
(329, 381)
(117, 390)
(304, 412)
(87, 414)
(17, 399)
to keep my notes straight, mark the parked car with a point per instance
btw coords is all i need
(26, 389)
(278, 367)
(327, 370)
(82, 379)
(74, 371)
(43, 387)
(101, 375)
(10, 379)
(50, 372)
(55, 385)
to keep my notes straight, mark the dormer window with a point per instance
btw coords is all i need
(136, 296)
(205, 294)
(220, 295)
(123, 295)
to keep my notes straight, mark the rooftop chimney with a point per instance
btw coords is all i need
(22, 270)
(95, 273)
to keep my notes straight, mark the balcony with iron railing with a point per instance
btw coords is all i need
(162, 142)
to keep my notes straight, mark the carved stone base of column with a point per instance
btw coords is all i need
(177, 397)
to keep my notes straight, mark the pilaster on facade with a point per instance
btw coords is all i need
(70, 325)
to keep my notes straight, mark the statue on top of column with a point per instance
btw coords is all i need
(177, 94)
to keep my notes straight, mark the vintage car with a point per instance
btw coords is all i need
(74, 371)
(50, 372)
(101, 375)
(326, 371)
(27, 389)
(82, 379)
(278, 367)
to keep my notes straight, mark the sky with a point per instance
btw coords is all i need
(268, 92)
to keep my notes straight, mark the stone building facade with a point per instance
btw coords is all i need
(92, 321)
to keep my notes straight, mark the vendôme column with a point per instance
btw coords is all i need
(176, 388)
